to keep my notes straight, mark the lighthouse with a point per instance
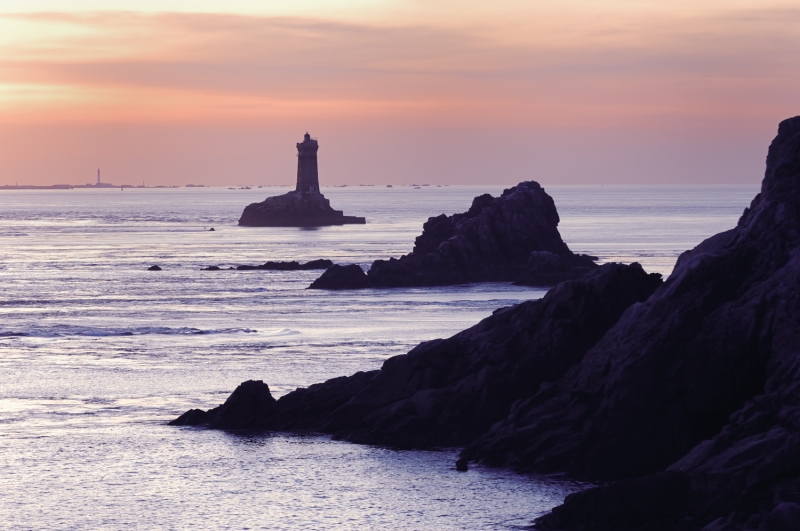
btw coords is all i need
(307, 173)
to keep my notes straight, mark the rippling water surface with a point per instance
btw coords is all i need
(96, 353)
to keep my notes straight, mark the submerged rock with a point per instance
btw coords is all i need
(509, 238)
(288, 266)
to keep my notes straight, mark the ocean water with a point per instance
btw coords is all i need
(97, 354)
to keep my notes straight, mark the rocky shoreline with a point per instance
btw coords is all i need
(511, 238)
(684, 395)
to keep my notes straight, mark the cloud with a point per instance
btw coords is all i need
(456, 88)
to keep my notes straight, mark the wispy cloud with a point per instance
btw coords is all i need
(618, 71)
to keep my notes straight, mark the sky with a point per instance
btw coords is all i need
(397, 91)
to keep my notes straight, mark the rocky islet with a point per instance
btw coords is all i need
(511, 238)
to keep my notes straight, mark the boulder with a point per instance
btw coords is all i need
(154, 268)
(509, 238)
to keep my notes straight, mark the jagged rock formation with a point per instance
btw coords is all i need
(448, 392)
(703, 380)
(513, 237)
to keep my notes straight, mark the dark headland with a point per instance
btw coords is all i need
(511, 238)
(305, 206)
(683, 395)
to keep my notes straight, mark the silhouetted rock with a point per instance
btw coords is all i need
(656, 499)
(513, 237)
(342, 277)
(211, 268)
(211, 229)
(702, 379)
(448, 392)
(295, 209)
(288, 266)
(154, 268)
(244, 409)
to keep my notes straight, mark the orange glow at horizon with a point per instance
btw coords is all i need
(665, 71)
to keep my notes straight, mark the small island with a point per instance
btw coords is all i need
(305, 206)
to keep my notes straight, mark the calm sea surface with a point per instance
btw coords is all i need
(97, 354)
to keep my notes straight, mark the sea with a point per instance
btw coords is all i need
(97, 353)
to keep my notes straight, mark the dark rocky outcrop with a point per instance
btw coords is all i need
(295, 209)
(703, 379)
(448, 392)
(342, 277)
(244, 409)
(509, 238)
(287, 266)
(154, 268)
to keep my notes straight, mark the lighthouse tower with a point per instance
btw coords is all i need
(307, 174)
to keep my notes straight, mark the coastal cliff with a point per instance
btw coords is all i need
(447, 392)
(686, 394)
(511, 238)
(696, 391)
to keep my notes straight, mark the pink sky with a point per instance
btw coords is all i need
(575, 92)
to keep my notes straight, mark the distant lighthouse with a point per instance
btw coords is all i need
(98, 175)
(307, 173)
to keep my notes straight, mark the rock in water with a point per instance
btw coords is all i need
(305, 206)
(448, 392)
(295, 210)
(288, 266)
(244, 409)
(154, 268)
(701, 380)
(342, 277)
(513, 237)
